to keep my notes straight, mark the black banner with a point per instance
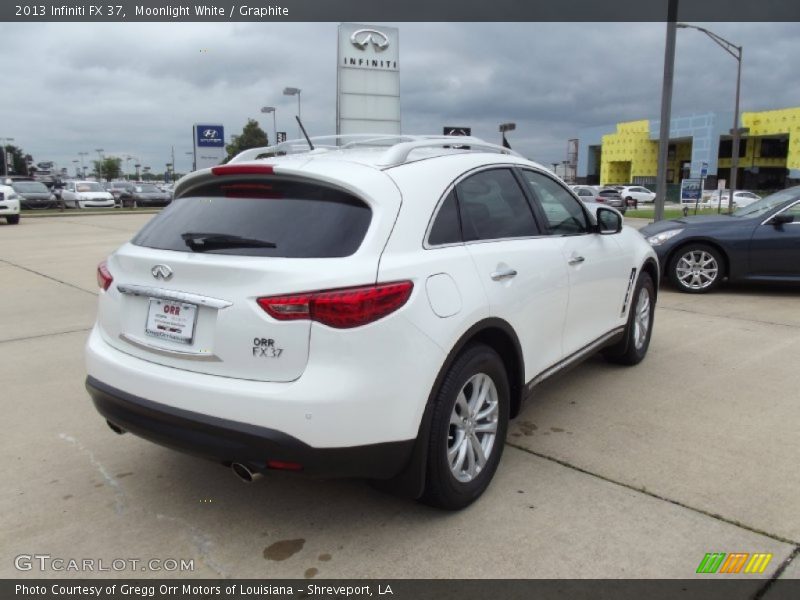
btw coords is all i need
(402, 589)
(405, 10)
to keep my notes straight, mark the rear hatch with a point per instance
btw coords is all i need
(185, 289)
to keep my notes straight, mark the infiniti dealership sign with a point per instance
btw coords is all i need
(368, 79)
(209, 145)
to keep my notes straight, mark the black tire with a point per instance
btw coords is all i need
(442, 488)
(632, 349)
(681, 260)
(12, 219)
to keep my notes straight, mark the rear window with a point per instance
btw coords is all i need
(268, 218)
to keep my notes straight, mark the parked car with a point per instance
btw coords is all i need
(757, 243)
(585, 192)
(86, 194)
(146, 194)
(121, 190)
(636, 194)
(741, 198)
(9, 204)
(376, 313)
(611, 197)
(34, 194)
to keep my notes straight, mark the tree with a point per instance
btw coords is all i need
(252, 136)
(19, 163)
(109, 168)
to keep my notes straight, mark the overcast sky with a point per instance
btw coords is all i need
(137, 88)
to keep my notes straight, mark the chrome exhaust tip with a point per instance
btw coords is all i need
(115, 428)
(244, 473)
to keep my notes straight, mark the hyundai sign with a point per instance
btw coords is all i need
(209, 145)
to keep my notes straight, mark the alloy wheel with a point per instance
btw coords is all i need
(697, 269)
(473, 427)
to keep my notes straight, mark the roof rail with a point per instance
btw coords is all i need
(397, 147)
(398, 154)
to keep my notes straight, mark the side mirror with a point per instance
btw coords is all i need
(781, 219)
(609, 221)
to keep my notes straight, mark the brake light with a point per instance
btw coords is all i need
(242, 170)
(600, 199)
(343, 308)
(104, 277)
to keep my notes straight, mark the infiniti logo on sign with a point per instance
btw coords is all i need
(161, 272)
(364, 37)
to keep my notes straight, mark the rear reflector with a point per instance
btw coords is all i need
(104, 277)
(284, 465)
(242, 170)
(343, 308)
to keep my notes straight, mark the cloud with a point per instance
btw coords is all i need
(137, 88)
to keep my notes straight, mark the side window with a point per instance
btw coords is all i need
(493, 206)
(563, 211)
(794, 210)
(446, 228)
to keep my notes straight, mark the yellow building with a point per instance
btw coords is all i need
(769, 153)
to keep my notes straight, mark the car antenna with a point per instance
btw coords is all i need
(303, 129)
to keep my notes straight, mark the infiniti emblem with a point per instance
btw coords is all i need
(364, 37)
(161, 272)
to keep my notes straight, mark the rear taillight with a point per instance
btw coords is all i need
(600, 199)
(342, 308)
(104, 277)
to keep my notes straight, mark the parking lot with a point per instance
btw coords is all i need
(608, 472)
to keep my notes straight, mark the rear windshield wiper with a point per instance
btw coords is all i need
(200, 242)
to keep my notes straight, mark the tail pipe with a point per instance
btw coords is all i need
(244, 473)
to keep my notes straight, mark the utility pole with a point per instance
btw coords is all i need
(666, 110)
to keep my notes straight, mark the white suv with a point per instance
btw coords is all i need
(373, 309)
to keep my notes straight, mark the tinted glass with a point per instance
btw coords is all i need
(88, 186)
(30, 187)
(493, 206)
(446, 227)
(563, 211)
(302, 220)
(147, 189)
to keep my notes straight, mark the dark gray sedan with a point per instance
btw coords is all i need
(146, 194)
(34, 194)
(759, 243)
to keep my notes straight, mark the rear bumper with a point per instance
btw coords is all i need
(228, 441)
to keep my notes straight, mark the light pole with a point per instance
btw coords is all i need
(736, 52)
(75, 162)
(191, 153)
(83, 167)
(666, 111)
(5, 141)
(293, 91)
(100, 164)
(271, 109)
(503, 128)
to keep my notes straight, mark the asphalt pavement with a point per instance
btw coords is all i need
(608, 472)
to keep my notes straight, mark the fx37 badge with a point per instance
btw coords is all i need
(263, 347)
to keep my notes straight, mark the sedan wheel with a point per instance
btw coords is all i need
(696, 269)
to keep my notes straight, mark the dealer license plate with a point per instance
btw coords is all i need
(171, 320)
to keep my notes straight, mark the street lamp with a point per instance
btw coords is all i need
(100, 164)
(736, 52)
(75, 162)
(5, 141)
(271, 109)
(503, 128)
(191, 153)
(83, 167)
(293, 91)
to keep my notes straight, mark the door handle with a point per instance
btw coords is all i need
(576, 260)
(504, 274)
